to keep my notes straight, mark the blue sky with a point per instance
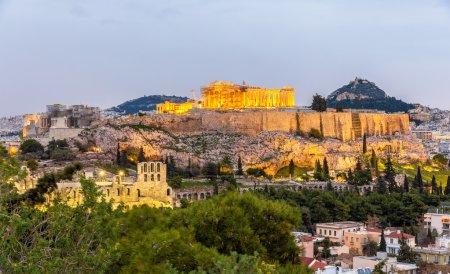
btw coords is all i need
(103, 52)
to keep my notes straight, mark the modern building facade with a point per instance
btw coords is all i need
(335, 231)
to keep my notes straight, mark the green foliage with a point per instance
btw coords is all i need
(370, 249)
(141, 157)
(315, 133)
(382, 246)
(32, 164)
(291, 168)
(257, 172)
(447, 186)
(379, 268)
(440, 159)
(240, 170)
(210, 170)
(389, 175)
(405, 253)
(175, 182)
(60, 239)
(319, 103)
(31, 146)
(364, 146)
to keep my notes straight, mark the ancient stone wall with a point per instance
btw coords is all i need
(343, 126)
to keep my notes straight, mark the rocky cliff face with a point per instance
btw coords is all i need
(269, 150)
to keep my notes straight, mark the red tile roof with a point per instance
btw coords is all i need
(374, 230)
(397, 235)
(313, 263)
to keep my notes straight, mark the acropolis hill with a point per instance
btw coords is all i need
(343, 126)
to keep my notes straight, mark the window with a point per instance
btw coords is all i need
(139, 192)
(107, 192)
(168, 192)
(118, 192)
(128, 191)
(158, 177)
(357, 240)
(145, 178)
(158, 167)
(152, 167)
(351, 239)
(335, 233)
(320, 231)
(152, 177)
(392, 241)
(145, 167)
(324, 232)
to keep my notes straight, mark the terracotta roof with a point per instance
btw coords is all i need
(313, 263)
(307, 261)
(374, 230)
(399, 235)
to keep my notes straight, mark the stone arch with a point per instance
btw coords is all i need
(152, 167)
(145, 167)
(168, 192)
(128, 191)
(196, 196)
(158, 167)
(139, 192)
(189, 197)
(202, 196)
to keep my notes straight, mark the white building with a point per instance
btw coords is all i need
(393, 241)
(438, 221)
(335, 231)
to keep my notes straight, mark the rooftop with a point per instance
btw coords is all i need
(346, 224)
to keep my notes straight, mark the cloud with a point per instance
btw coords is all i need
(79, 11)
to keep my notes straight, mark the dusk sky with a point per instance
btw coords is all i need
(104, 52)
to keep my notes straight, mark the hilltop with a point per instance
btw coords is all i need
(363, 94)
(145, 103)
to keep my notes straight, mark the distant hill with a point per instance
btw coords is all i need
(146, 103)
(363, 94)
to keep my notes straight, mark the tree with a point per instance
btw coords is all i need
(318, 171)
(319, 103)
(175, 182)
(373, 159)
(389, 175)
(405, 253)
(379, 268)
(291, 168)
(240, 170)
(447, 186)
(440, 159)
(381, 186)
(418, 181)
(141, 157)
(210, 170)
(118, 156)
(326, 170)
(31, 146)
(382, 247)
(350, 177)
(406, 184)
(326, 244)
(370, 249)
(434, 187)
(124, 158)
(364, 146)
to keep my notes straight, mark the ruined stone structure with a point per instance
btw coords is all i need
(174, 108)
(343, 126)
(149, 188)
(60, 121)
(226, 95)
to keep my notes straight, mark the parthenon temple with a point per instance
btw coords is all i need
(226, 95)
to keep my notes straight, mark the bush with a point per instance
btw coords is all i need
(61, 155)
(257, 172)
(315, 133)
(31, 146)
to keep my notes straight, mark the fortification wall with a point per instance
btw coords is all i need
(344, 126)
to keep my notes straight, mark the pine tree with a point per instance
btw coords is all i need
(419, 180)
(291, 168)
(240, 171)
(406, 184)
(326, 170)
(319, 103)
(350, 176)
(447, 186)
(118, 156)
(318, 172)
(141, 157)
(389, 175)
(434, 187)
(373, 159)
(382, 247)
(364, 146)
(405, 253)
(381, 185)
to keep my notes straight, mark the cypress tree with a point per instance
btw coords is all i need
(291, 168)
(141, 157)
(389, 175)
(419, 180)
(124, 159)
(118, 156)
(318, 172)
(434, 187)
(326, 170)
(350, 176)
(447, 187)
(240, 171)
(381, 185)
(382, 247)
(373, 159)
(406, 184)
(364, 146)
